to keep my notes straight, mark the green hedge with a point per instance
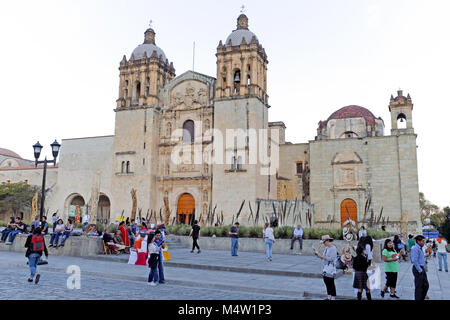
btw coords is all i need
(3, 224)
(284, 232)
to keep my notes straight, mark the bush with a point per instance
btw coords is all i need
(255, 232)
(206, 231)
(113, 228)
(244, 232)
(378, 234)
(3, 224)
(100, 227)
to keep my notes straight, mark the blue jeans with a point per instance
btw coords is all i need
(13, 235)
(64, 237)
(269, 244)
(442, 256)
(55, 237)
(153, 275)
(234, 246)
(160, 274)
(33, 260)
(5, 234)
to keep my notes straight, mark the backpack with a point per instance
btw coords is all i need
(37, 243)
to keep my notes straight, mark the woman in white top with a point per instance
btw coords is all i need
(269, 239)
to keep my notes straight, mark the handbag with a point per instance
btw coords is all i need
(329, 269)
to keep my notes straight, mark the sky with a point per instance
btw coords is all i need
(60, 58)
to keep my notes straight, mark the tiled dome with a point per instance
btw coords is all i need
(9, 153)
(352, 112)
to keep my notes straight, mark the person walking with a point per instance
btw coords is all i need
(391, 268)
(420, 276)
(329, 257)
(360, 265)
(195, 234)
(269, 239)
(442, 247)
(35, 245)
(410, 242)
(298, 235)
(234, 234)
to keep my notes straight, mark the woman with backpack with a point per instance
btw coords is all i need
(35, 245)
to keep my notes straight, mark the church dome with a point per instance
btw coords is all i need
(9, 153)
(354, 112)
(148, 47)
(242, 31)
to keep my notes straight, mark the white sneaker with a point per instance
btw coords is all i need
(152, 284)
(8, 243)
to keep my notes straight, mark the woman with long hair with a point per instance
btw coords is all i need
(269, 239)
(391, 267)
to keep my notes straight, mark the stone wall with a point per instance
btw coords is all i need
(281, 246)
(75, 246)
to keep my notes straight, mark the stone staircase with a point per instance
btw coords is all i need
(174, 243)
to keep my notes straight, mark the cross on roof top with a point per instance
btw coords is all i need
(150, 24)
(242, 9)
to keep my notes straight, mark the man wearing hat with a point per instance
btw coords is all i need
(329, 257)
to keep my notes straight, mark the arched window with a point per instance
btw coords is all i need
(401, 121)
(239, 163)
(249, 81)
(137, 91)
(128, 166)
(188, 132)
(123, 167)
(237, 81)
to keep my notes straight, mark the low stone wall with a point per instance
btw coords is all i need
(76, 246)
(281, 246)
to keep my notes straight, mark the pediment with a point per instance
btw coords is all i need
(346, 157)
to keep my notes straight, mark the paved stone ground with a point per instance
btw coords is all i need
(114, 279)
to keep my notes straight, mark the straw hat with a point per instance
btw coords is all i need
(325, 238)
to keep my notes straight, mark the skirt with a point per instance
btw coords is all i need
(360, 281)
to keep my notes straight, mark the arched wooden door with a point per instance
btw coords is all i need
(103, 210)
(186, 207)
(349, 211)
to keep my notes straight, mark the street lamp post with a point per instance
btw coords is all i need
(37, 152)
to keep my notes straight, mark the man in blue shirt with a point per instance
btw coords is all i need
(420, 276)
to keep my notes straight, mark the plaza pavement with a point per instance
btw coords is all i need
(210, 275)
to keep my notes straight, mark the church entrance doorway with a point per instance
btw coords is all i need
(349, 211)
(103, 210)
(186, 208)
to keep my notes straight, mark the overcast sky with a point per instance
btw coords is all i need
(59, 74)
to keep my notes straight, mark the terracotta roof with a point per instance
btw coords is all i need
(351, 112)
(9, 153)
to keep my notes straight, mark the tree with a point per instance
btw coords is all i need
(445, 227)
(16, 196)
(427, 209)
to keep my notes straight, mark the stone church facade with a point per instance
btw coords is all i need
(205, 145)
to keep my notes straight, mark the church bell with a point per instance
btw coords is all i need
(237, 77)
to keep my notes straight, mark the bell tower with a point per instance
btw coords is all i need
(142, 75)
(401, 114)
(241, 65)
